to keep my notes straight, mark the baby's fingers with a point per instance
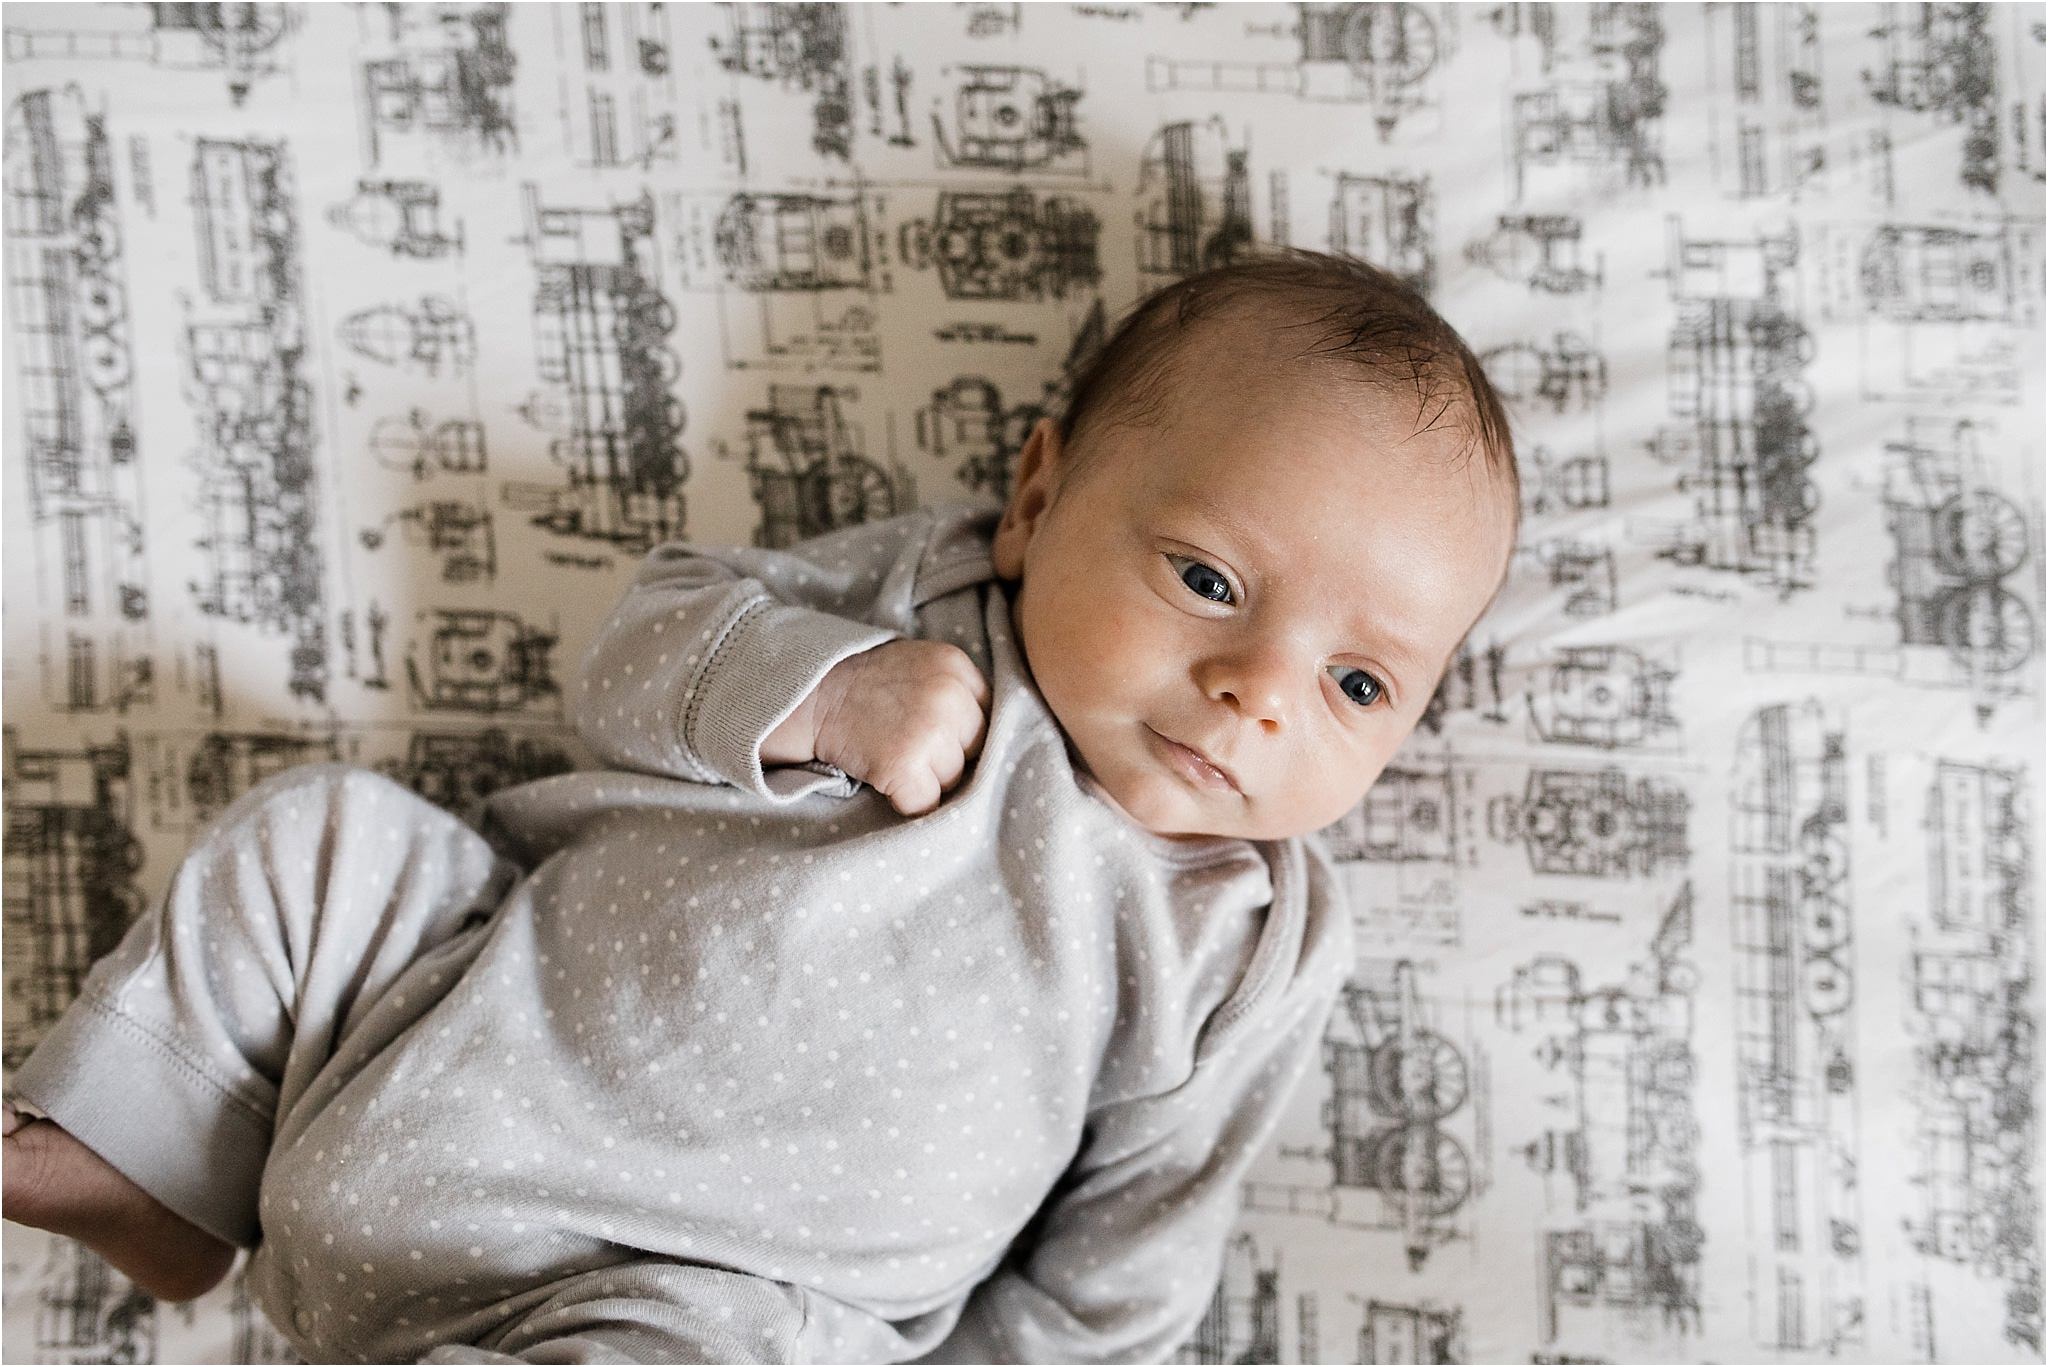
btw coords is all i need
(916, 794)
(976, 684)
(948, 763)
(963, 668)
(972, 731)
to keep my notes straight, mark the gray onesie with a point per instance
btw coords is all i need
(695, 1061)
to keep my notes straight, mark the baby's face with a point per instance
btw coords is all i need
(1276, 576)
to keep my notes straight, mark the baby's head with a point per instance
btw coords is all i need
(1281, 495)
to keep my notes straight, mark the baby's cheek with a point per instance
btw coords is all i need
(1125, 644)
(1349, 786)
(1082, 603)
(1336, 802)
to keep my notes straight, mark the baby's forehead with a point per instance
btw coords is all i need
(1297, 504)
(1257, 330)
(1318, 427)
(1266, 363)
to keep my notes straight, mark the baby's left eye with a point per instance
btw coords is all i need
(1202, 579)
(1359, 686)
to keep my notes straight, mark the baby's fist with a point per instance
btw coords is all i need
(905, 718)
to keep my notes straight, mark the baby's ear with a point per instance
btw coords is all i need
(1037, 463)
(1030, 495)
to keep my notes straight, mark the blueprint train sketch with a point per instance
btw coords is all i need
(358, 353)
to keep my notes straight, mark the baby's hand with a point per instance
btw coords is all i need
(904, 718)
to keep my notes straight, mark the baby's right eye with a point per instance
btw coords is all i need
(1202, 579)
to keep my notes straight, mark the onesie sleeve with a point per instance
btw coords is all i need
(1122, 1261)
(712, 647)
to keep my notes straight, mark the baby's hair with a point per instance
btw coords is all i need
(1364, 314)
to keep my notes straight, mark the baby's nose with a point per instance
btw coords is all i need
(1264, 709)
(1256, 689)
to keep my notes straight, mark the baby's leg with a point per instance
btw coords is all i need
(242, 995)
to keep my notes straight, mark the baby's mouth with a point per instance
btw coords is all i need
(1192, 765)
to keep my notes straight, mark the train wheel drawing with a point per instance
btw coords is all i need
(1824, 988)
(846, 492)
(1840, 1073)
(457, 783)
(1420, 1080)
(1422, 1169)
(1403, 42)
(1986, 627)
(650, 441)
(655, 312)
(242, 27)
(99, 236)
(672, 417)
(1979, 535)
(480, 782)
(104, 358)
(1779, 343)
(1826, 929)
(102, 304)
(646, 316)
(1793, 502)
(1821, 874)
(1787, 399)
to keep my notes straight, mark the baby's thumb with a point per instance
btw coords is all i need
(914, 793)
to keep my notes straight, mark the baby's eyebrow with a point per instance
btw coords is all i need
(1225, 518)
(1405, 659)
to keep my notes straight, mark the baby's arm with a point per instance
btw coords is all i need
(709, 668)
(1121, 1262)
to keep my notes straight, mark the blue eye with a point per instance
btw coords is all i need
(1359, 686)
(1202, 580)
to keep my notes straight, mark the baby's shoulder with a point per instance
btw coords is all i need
(960, 551)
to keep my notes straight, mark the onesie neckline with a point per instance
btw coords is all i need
(1193, 850)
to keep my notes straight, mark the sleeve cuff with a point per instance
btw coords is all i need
(771, 659)
(120, 1089)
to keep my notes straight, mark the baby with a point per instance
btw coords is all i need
(942, 946)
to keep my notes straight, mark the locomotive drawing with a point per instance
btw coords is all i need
(1970, 982)
(601, 324)
(1404, 1100)
(1795, 1000)
(1633, 1244)
(68, 307)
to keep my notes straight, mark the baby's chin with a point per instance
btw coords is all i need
(1146, 801)
(1164, 828)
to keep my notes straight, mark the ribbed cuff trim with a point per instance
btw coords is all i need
(157, 1115)
(770, 661)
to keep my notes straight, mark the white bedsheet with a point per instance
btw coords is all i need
(356, 352)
